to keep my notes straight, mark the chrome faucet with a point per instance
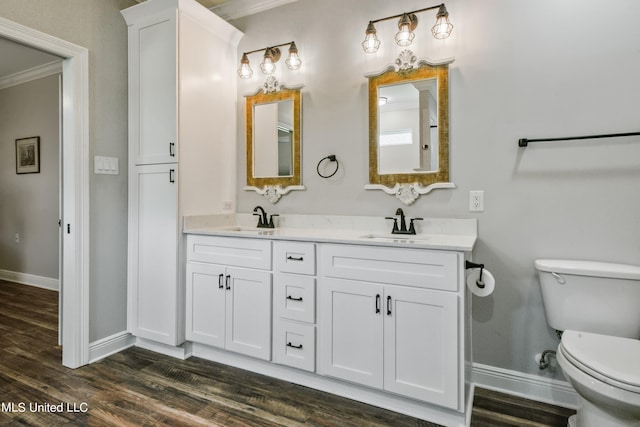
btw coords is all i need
(402, 229)
(263, 220)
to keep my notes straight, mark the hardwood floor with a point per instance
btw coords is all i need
(138, 387)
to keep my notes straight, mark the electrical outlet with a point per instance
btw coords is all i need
(476, 201)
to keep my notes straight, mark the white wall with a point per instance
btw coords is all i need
(29, 202)
(522, 69)
(98, 26)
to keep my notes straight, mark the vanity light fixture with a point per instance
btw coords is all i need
(407, 24)
(271, 57)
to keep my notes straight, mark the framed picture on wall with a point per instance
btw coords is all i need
(28, 155)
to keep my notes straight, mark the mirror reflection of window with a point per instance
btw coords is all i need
(396, 149)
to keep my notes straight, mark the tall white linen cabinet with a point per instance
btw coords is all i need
(182, 145)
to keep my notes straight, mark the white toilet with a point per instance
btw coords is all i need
(597, 305)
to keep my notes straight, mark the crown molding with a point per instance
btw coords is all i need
(34, 73)
(234, 9)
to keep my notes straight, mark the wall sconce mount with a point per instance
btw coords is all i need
(271, 56)
(406, 25)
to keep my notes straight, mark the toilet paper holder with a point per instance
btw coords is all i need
(468, 265)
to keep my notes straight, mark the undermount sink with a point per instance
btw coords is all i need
(396, 238)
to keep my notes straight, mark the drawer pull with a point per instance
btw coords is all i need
(377, 303)
(220, 284)
(299, 347)
(293, 258)
(294, 299)
(388, 306)
(227, 282)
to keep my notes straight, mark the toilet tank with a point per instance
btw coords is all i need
(588, 296)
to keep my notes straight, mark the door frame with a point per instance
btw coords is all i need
(74, 275)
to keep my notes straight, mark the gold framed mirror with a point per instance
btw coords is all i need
(273, 151)
(409, 128)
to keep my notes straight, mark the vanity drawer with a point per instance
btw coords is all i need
(294, 257)
(294, 344)
(410, 267)
(237, 252)
(294, 297)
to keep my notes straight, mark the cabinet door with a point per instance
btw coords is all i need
(154, 257)
(351, 331)
(206, 295)
(153, 89)
(248, 312)
(421, 341)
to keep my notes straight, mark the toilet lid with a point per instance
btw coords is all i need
(613, 360)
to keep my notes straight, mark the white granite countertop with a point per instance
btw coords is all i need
(431, 233)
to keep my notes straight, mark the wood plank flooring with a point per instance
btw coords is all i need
(140, 388)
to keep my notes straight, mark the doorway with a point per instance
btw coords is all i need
(74, 272)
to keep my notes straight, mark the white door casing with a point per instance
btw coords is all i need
(75, 186)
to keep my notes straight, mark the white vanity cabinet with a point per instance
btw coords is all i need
(294, 304)
(390, 319)
(228, 294)
(384, 323)
(182, 126)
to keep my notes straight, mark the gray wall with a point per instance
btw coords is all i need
(522, 69)
(98, 26)
(29, 202)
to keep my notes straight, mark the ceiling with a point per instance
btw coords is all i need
(17, 57)
(234, 9)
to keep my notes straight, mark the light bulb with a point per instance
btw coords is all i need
(268, 66)
(371, 42)
(442, 28)
(405, 35)
(245, 71)
(293, 61)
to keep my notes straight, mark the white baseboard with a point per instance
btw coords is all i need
(110, 345)
(183, 352)
(30, 279)
(555, 392)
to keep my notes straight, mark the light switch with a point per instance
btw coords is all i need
(105, 165)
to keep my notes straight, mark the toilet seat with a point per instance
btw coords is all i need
(612, 360)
